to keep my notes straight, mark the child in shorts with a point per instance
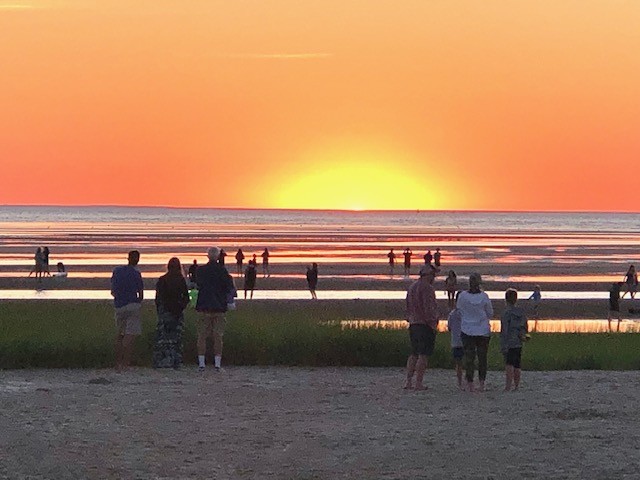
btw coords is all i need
(513, 332)
(454, 322)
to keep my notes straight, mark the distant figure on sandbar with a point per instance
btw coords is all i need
(45, 262)
(392, 261)
(407, 261)
(631, 281)
(172, 297)
(60, 267)
(127, 291)
(614, 303)
(239, 261)
(61, 272)
(451, 285)
(38, 268)
(422, 315)
(436, 258)
(250, 275)
(428, 257)
(265, 263)
(193, 270)
(221, 257)
(536, 297)
(312, 280)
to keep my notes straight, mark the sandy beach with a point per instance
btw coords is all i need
(277, 422)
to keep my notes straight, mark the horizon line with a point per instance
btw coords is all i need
(345, 210)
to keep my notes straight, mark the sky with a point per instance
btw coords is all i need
(330, 104)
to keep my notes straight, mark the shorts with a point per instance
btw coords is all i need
(614, 306)
(458, 353)
(209, 323)
(513, 357)
(129, 320)
(423, 339)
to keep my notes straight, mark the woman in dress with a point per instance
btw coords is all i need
(475, 311)
(312, 280)
(450, 285)
(172, 297)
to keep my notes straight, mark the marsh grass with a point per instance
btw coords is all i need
(70, 334)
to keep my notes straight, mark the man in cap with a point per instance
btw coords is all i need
(215, 286)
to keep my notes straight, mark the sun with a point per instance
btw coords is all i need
(358, 181)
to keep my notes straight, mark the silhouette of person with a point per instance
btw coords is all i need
(392, 261)
(239, 261)
(436, 257)
(265, 263)
(193, 269)
(407, 261)
(250, 275)
(221, 257)
(312, 280)
(428, 257)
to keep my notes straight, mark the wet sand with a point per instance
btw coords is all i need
(281, 423)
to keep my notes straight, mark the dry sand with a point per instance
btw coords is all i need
(294, 423)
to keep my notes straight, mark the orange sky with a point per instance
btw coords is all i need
(366, 104)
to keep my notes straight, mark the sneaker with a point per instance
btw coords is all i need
(200, 369)
(219, 369)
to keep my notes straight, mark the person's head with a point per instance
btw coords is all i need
(438, 249)
(39, 249)
(60, 266)
(134, 257)
(314, 266)
(475, 280)
(195, 262)
(632, 269)
(428, 273)
(213, 253)
(511, 296)
(537, 288)
(174, 266)
(452, 274)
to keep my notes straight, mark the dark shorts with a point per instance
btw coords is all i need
(423, 339)
(513, 356)
(614, 305)
(458, 353)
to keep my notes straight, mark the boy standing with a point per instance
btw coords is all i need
(513, 331)
(454, 323)
(614, 303)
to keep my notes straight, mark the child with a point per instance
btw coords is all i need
(614, 303)
(454, 322)
(513, 331)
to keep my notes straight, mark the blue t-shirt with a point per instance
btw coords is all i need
(126, 282)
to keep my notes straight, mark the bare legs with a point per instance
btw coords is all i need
(512, 377)
(416, 364)
(124, 350)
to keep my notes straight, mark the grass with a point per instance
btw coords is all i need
(73, 334)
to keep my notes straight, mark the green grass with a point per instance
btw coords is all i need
(71, 334)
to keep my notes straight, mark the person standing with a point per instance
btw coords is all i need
(451, 285)
(239, 261)
(407, 261)
(193, 269)
(436, 258)
(536, 297)
(392, 261)
(454, 323)
(265, 263)
(513, 332)
(215, 286)
(250, 276)
(422, 315)
(614, 304)
(172, 297)
(475, 311)
(312, 280)
(127, 291)
(45, 262)
(221, 257)
(428, 257)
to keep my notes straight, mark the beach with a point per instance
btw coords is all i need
(315, 423)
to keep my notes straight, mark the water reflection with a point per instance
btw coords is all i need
(543, 326)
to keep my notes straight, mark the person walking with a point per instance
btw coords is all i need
(215, 286)
(475, 311)
(422, 315)
(172, 297)
(250, 276)
(127, 290)
(265, 263)
(312, 280)
(631, 281)
(239, 261)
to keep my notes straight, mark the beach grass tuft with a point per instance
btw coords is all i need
(74, 334)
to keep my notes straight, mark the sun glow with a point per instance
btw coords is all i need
(361, 184)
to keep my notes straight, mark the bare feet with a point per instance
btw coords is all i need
(407, 385)
(481, 386)
(419, 387)
(470, 387)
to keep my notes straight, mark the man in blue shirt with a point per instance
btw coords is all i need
(127, 291)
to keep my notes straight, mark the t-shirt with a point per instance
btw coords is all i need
(421, 304)
(454, 323)
(126, 282)
(476, 310)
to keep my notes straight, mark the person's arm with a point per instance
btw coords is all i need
(113, 284)
(504, 332)
(140, 288)
(488, 307)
